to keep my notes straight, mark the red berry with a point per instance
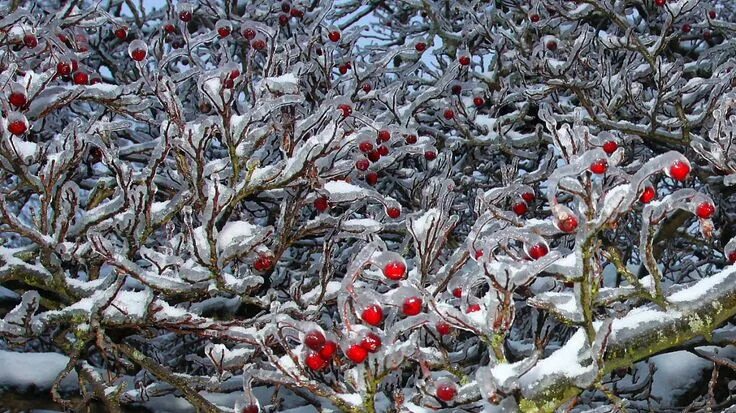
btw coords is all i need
(707, 35)
(285, 7)
(520, 208)
(17, 99)
(599, 166)
(334, 36)
(249, 33)
(251, 408)
(95, 154)
(660, 3)
(528, 197)
(362, 164)
(283, 19)
(686, 28)
(169, 28)
(371, 178)
(224, 31)
(315, 361)
(371, 342)
(456, 89)
(30, 41)
(328, 350)
(609, 147)
(373, 314)
(394, 270)
(538, 251)
(568, 224)
(446, 392)
(430, 155)
(534, 18)
(356, 353)
(258, 44)
(321, 204)
(367, 87)
(457, 292)
(479, 101)
(374, 156)
(234, 74)
(478, 254)
(712, 14)
(384, 135)
(464, 60)
(383, 150)
(81, 78)
(263, 263)
(411, 139)
(314, 340)
(121, 33)
(138, 55)
(346, 109)
(472, 308)
(551, 45)
(679, 170)
(449, 114)
(185, 16)
(420, 47)
(365, 146)
(393, 212)
(647, 195)
(17, 127)
(412, 306)
(443, 328)
(343, 69)
(732, 257)
(705, 210)
(75, 65)
(296, 13)
(63, 69)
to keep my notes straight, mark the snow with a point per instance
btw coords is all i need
(287, 83)
(362, 225)
(503, 372)
(331, 290)
(563, 362)
(25, 149)
(676, 374)
(342, 187)
(701, 288)
(638, 316)
(130, 305)
(234, 231)
(36, 371)
(354, 399)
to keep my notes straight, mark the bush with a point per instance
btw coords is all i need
(389, 206)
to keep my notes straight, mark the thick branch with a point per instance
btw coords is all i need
(694, 311)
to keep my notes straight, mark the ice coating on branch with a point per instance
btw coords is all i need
(562, 304)
(503, 377)
(314, 148)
